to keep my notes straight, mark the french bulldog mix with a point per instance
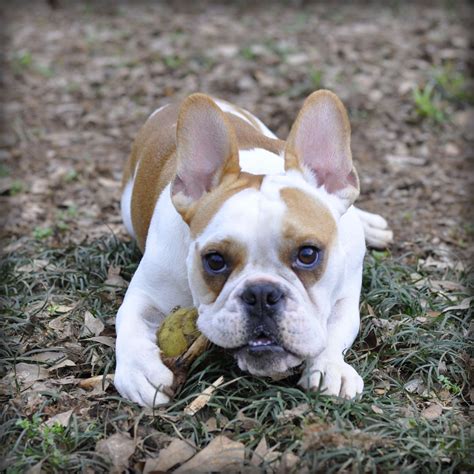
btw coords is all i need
(259, 234)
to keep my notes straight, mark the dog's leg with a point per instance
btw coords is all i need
(140, 375)
(328, 371)
(377, 233)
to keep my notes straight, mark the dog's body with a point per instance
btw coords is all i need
(259, 234)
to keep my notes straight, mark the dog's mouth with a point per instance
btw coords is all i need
(264, 355)
(263, 343)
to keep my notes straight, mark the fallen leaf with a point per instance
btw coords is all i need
(33, 267)
(49, 357)
(376, 409)
(26, 374)
(211, 424)
(92, 326)
(114, 279)
(432, 412)
(221, 454)
(447, 285)
(118, 448)
(292, 413)
(97, 384)
(63, 326)
(35, 469)
(288, 463)
(259, 453)
(177, 452)
(61, 419)
(465, 304)
(246, 422)
(63, 363)
(413, 385)
(202, 400)
(105, 340)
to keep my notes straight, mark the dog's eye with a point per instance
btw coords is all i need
(307, 257)
(214, 262)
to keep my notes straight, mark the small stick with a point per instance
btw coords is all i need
(202, 400)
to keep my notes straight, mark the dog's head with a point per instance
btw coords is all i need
(264, 261)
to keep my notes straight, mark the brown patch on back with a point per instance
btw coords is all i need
(306, 222)
(153, 161)
(236, 257)
(202, 211)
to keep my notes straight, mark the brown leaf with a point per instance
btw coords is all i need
(118, 448)
(92, 326)
(61, 419)
(97, 384)
(296, 412)
(63, 326)
(376, 409)
(260, 452)
(114, 279)
(221, 454)
(288, 463)
(432, 412)
(33, 267)
(50, 357)
(35, 469)
(177, 452)
(63, 363)
(26, 374)
(105, 340)
(465, 304)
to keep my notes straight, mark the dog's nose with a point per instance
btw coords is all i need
(262, 297)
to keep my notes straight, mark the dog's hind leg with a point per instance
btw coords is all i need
(376, 230)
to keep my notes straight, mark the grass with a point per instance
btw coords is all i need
(446, 88)
(427, 103)
(412, 353)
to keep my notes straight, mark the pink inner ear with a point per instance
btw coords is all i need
(203, 145)
(322, 143)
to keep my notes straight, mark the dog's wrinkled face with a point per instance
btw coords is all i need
(258, 274)
(264, 259)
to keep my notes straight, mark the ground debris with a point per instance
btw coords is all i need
(118, 448)
(321, 435)
(177, 452)
(221, 454)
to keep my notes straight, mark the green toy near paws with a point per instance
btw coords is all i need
(180, 342)
(177, 332)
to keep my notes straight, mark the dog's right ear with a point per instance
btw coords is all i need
(206, 150)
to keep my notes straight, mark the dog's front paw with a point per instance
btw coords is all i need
(140, 375)
(332, 377)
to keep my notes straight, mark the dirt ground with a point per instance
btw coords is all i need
(79, 80)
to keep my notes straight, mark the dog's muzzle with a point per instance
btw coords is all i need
(263, 303)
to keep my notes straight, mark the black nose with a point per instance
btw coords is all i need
(262, 297)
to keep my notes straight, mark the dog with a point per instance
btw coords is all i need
(259, 234)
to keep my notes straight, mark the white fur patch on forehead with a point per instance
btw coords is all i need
(251, 217)
(261, 161)
(272, 185)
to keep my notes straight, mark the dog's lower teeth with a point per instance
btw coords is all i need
(260, 343)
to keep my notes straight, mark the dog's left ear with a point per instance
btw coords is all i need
(320, 142)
